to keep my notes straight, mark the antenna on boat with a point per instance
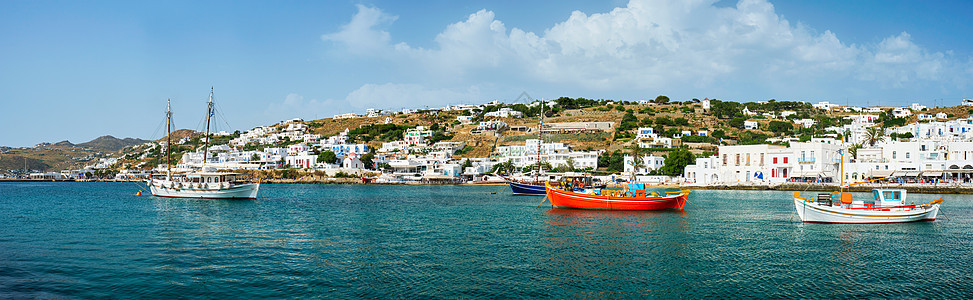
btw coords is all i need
(540, 140)
(209, 113)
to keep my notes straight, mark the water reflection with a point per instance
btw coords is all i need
(615, 253)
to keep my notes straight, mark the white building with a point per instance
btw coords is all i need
(750, 124)
(743, 164)
(806, 123)
(703, 172)
(491, 125)
(505, 112)
(417, 135)
(346, 116)
(649, 163)
(465, 120)
(352, 161)
(825, 105)
(555, 154)
(901, 112)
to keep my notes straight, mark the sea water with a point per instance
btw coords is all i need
(98, 240)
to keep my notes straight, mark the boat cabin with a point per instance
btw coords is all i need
(880, 197)
(216, 177)
(889, 197)
(211, 177)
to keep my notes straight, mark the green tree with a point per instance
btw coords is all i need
(681, 121)
(368, 160)
(661, 99)
(663, 120)
(467, 163)
(874, 135)
(853, 150)
(780, 127)
(737, 122)
(327, 157)
(676, 162)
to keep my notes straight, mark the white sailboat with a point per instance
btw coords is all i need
(200, 184)
(886, 206)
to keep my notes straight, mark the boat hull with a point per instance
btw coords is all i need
(243, 191)
(526, 189)
(565, 199)
(810, 212)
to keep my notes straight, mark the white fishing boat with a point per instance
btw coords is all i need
(203, 184)
(886, 206)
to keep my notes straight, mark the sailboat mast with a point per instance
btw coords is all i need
(841, 175)
(168, 138)
(540, 129)
(209, 113)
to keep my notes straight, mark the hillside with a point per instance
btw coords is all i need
(111, 144)
(17, 162)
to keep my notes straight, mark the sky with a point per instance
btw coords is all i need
(77, 70)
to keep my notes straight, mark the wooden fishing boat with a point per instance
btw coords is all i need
(519, 188)
(200, 184)
(610, 200)
(887, 206)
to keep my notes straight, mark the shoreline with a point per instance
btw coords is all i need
(919, 189)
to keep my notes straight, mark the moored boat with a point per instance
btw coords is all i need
(615, 200)
(204, 185)
(519, 188)
(887, 206)
(201, 184)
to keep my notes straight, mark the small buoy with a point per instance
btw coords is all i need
(139, 193)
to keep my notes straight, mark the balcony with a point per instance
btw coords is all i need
(805, 160)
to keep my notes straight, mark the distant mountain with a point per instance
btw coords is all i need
(110, 143)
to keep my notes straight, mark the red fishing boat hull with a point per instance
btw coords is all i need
(565, 199)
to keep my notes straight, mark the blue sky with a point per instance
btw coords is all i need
(73, 70)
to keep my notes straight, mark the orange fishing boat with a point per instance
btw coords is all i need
(615, 200)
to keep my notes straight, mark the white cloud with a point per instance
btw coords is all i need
(398, 96)
(652, 46)
(361, 35)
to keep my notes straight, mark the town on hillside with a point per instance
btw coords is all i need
(705, 142)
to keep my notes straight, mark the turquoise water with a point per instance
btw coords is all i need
(94, 240)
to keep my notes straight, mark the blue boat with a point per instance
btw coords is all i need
(527, 189)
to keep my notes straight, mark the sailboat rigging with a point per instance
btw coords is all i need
(203, 183)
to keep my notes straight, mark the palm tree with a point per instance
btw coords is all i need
(637, 159)
(874, 135)
(853, 150)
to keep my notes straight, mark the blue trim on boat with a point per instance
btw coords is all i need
(527, 189)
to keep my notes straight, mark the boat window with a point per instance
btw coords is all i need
(891, 195)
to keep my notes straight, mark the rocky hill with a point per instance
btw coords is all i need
(111, 144)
